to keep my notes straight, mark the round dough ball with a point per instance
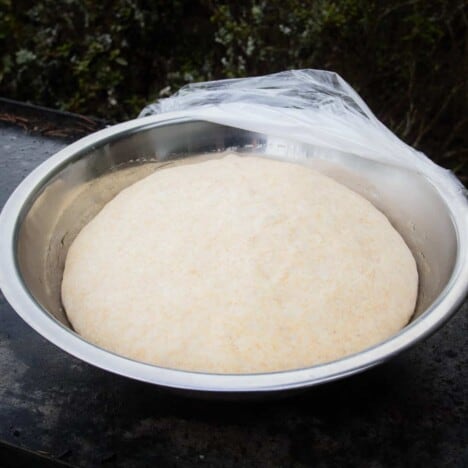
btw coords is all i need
(238, 265)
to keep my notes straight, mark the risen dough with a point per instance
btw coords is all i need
(238, 265)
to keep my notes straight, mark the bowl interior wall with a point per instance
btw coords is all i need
(75, 192)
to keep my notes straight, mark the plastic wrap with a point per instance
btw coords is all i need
(311, 106)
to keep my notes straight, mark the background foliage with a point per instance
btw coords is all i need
(408, 59)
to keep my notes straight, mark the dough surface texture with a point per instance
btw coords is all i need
(238, 265)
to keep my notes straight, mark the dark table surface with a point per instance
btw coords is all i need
(410, 412)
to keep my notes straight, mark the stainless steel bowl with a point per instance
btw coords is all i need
(54, 202)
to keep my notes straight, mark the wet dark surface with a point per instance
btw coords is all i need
(410, 412)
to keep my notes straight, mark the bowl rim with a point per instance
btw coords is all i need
(17, 294)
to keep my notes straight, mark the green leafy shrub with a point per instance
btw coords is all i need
(99, 58)
(408, 59)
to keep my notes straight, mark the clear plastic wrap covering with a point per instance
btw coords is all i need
(311, 106)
